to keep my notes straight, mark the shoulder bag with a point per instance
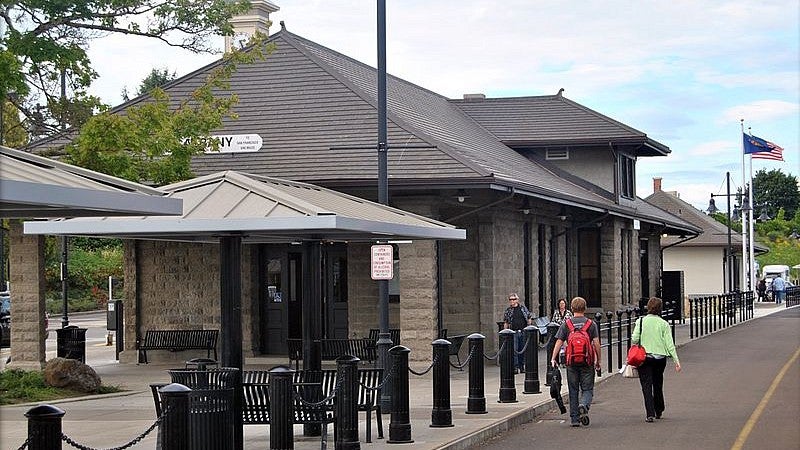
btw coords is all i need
(637, 353)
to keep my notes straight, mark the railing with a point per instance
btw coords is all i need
(792, 296)
(711, 313)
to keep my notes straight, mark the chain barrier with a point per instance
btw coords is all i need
(499, 351)
(133, 442)
(24, 444)
(322, 402)
(419, 374)
(466, 361)
(380, 386)
(524, 347)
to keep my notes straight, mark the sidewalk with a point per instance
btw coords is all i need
(115, 419)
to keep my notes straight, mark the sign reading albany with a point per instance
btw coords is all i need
(239, 143)
(382, 262)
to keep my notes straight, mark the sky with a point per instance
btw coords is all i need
(683, 72)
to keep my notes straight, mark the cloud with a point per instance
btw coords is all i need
(760, 111)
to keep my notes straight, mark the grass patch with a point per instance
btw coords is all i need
(24, 386)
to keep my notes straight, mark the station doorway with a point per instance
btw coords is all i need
(280, 296)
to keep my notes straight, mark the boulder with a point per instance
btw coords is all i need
(71, 374)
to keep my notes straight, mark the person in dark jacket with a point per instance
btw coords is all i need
(761, 288)
(517, 317)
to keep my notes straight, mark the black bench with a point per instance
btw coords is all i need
(394, 335)
(362, 348)
(177, 340)
(256, 396)
(455, 347)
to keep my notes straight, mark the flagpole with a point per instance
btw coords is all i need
(751, 242)
(746, 280)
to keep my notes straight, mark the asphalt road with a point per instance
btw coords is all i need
(739, 388)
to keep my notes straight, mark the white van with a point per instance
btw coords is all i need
(773, 270)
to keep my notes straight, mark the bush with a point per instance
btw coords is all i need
(23, 386)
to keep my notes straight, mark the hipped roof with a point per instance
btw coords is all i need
(261, 210)
(32, 187)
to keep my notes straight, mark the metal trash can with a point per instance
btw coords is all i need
(71, 343)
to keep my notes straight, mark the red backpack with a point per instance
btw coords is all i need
(580, 351)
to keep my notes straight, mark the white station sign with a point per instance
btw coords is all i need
(382, 262)
(239, 143)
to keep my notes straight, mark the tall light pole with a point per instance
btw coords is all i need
(712, 208)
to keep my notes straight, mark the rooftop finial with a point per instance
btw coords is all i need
(283, 26)
(560, 91)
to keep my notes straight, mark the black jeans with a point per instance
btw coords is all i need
(651, 377)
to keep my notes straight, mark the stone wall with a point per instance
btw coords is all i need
(28, 332)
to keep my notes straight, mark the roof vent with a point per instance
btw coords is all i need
(557, 153)
(474, 97)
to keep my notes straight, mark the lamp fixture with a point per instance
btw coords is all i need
(763, 217)
(461, 195)
(712, 206)
(736, 215)
(794, 235)
(526, 207)
(562, 214)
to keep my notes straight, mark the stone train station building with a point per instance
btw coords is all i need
(544, 187)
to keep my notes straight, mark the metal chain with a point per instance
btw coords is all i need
(322, 402)
(135, 440)
(382, 383)
(524, 347)
(466, 361)
(419, 374)
(499, 351)
(24, 444)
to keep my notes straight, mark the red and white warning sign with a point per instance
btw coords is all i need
(382, 262)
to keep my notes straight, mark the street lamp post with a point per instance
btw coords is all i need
(712, 208)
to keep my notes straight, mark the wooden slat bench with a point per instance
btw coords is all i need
(177, 340)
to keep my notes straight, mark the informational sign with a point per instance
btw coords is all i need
(239, 143)
(382, 262)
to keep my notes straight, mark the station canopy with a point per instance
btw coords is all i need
(32, 186)
(259, 209)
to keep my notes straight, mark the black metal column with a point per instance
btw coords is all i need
(281, 414)
(441, 414)
(64, 282)
(346, 417)
(400, 421)
(44, 427)
(508, 389)
(230, 289)
(532, 361)
(312, 316)
(476, 400)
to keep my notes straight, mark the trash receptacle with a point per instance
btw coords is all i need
(71, 343)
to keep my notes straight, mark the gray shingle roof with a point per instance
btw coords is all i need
(553, 120)
(316, 111)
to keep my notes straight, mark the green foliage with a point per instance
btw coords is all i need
(156, 78)
(23, 386)
(776, 190)
(154, 141)
(45, 39)
(14, 134)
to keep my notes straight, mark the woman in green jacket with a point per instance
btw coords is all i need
(654, 334)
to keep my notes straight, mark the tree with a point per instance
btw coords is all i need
(776, 190)
(43, 47)
(156, 78)
(12, 129)
(154, 141)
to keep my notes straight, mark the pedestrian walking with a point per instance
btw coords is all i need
(582, 339)
(653, 333)
(779, 289)
(517, 317)
(562, 312)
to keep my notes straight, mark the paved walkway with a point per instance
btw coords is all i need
(114, 419)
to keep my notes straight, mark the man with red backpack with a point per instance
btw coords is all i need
(582, 339)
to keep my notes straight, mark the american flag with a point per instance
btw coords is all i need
(775, 153)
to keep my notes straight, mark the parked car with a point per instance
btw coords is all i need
(5, 320)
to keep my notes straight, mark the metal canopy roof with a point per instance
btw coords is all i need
(33, 186)
(260, 210)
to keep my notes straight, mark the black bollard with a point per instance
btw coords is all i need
(552, 329)
(441, 415)
(400, 421)
(176, 431)
(508, 389)
(346, 418)
(281, 409)
(531, 361)
(44, 427)
(476, 400)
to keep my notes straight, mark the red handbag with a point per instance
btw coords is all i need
(636, 355)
